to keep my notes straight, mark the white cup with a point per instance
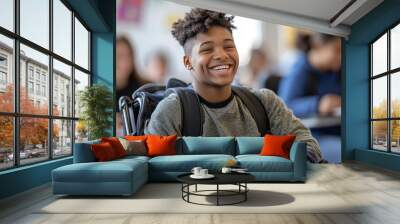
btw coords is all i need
(226, 170)
(203, 172)
(196, 171)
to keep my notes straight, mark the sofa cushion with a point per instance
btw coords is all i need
(111, 171)
(249, 145)
(161, 145)
(277, 145)
(206, 145)
(103, 152)
(185, 163)
(116, 145)
(134, 147)
(257, 163)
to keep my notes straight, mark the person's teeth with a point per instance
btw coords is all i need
(220, 67)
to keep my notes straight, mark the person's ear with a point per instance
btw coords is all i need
(186, 62)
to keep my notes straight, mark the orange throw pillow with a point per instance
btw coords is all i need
(136, 138)
(103, 151)
(161, 145)
(277, 145)
(116, 145)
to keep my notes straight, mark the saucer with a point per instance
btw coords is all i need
(208, 176)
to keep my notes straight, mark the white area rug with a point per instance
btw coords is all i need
(166, 198)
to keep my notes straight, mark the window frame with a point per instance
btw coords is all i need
(388, 74)
(16, 114)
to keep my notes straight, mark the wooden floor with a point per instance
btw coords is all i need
(378, 188)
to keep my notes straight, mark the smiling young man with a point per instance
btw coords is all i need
(212, 59)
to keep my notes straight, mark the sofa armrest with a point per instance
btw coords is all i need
(83, 152)
(298, 155)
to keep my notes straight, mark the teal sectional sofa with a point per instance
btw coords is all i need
(125, 176)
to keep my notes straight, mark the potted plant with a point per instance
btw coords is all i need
(96, 104)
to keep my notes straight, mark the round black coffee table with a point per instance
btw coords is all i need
(238, 179)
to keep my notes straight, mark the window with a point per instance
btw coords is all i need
(3, 61)
(34, 21)
(37, 74)
(81, 45)
(385, 95)
(63, 75)
(3, 78)
(44, 91)
(62, 30)
(30, 87)
(38, 89)
(47, 74)
(3, 71)
(7, 85)
(30, 72)
(7, 14)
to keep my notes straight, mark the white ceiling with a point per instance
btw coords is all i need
(316, 15)
(321, 9)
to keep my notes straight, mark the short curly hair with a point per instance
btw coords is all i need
(199, 21)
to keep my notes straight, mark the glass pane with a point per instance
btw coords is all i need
(62, 29)
(81, 81)
(379, 135)
(395, 94)
(7, 14)
(62, 138)
(6, 142)
(62, 89)
(395, 136)
(395, 47)
(81, 45)
(379, 55)
(81, 131)
(379, 97)
(34, 97)
(6, 74)
(35, 21)
(33, 140)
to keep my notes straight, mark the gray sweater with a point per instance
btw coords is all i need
(234, 119)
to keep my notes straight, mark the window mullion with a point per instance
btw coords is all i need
(371, 98)
(73, 83)
(50, 81)
(389, 114)
(16, 84)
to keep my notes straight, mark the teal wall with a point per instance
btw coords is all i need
(355, 121)
(24, 178)
(99, 16)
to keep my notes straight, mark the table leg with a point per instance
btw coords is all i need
(217, 194)
(188, 190)
(245, 191)
(196, 187)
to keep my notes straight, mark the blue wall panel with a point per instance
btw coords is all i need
(356, 97)
(24, 178)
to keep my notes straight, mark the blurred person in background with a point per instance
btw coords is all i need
(257, 73)
(312, 87)
(301, 46)
(157, 67)
(127, 76)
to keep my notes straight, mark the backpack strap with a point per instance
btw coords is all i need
(256, 108)
(192, 113)
(174, 82)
